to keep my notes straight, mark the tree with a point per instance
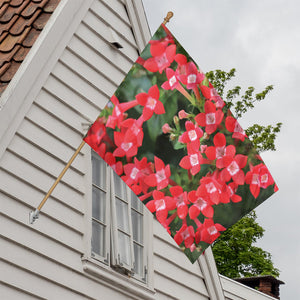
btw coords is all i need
(235, 253)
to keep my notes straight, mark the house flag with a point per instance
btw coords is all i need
(170, 137)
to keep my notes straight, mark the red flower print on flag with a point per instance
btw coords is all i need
(199, 205)
(219, 151)
(232, 125)
(211, 94)
(209, 231)
(192, 135)
(126, 147)
(233, 169)
(210, 188)
(258, 177)
(160, 179)
(211, 118)
(96, 133)
(161, 205)
(150, 102)
(193, 160)
(181, 199)
(133, 130)
(185, 234)
(172, 82)
(192, 76)
(162, 56)
(118, 112)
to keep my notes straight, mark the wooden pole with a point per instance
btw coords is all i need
(33, 215)
(168, 17)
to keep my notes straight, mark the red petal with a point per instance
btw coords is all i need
(147, 113)
(210, 128)
(219, 116)
(151, 180)
(182, 211)
(176, 190)
(142, 98)
(239, 177)
(255, 190)
(166, 85)
(201, 119)
(211, 152)
(195, 169)
(151, 205)
(236, 198)
(219, 140)
(209, 107)
(153, 92)
(159, 108)
(241, 160)
(208, 211)
(194, 212)
(157, 49)
(185, 163)
(230, 150)
(230, 123)
(180, 59)
(171, 52)
(151, 65)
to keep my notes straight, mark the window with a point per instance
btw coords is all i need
(118, 223)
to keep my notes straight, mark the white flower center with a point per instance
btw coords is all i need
(117, 110)
(200, 203)
(172, 80)
(161, 60)
(233, 168)
(220, 151)
(134, 172)
(210, 187)
(238, 128)
(151, 103)
(192, 78)
(135, 129)
(160, 204)
(194, 160)
(255, 179)
(160, 175)
(185, 234)
(264, 178)
(192, 135)
(210, 118)
(126, 146)
(180, 200)
(212, 230)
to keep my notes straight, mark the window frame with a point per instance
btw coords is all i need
(102, 266)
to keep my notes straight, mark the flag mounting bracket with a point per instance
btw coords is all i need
(33, 215)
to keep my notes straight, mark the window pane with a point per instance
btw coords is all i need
(122, 215)
(124, 248)
(99, 204)
(98, 238)
(136, 202)
(99, 171)
(138, 259)
(137, 226)
(120, 187)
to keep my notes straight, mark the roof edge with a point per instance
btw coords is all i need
(23, 89)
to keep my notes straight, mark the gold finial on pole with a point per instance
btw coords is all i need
(168, 17)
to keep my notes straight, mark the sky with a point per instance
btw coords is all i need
(261, 40)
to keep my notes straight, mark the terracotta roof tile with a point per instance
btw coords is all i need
(11, 11)
(21, 22)
(11, 40)
(6, 57)
(21, 54)
(10, 72)
(32, 7)
(4, 68)
(3, 9)
(41, 21)
(15, 2)
(6, 26)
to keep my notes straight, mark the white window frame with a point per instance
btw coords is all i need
(107, 267)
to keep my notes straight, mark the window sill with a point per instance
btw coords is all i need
(118, 281)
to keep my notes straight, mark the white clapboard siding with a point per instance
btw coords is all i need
(172, 267)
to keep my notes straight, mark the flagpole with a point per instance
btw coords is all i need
(168, 17)
(33, 215)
